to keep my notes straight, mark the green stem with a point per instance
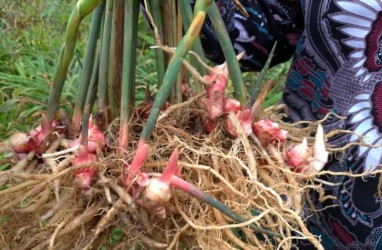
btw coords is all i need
(102, 115)
(112, 72)
(187, 15)
(169, 28)
(257, 86)
(175, 64)
(170, 36)
(155, 7)
(82, 8)
(179, 80)
(88, 67)
(118, 54)
(229, 53)
(129, 63)
(203, 197)
(90, 99)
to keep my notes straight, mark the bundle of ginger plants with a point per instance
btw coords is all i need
(185, 169)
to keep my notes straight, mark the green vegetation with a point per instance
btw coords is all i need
(31, 34)
(39, 51)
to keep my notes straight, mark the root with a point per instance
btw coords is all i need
(200, 227)
(46, 210)
(55, 233)
(33, 192)
(52, 164)
(176, 237)
(21, 165)
(243, 137)
(230, 235)
(103, 223)
(35, 206)
(53, 217)
(123, 195)
(62, 152)
(58, 206)
(178, 106)
(19, 187)
(104, 181)
(83, 218)
(220, 177)
(150, 242)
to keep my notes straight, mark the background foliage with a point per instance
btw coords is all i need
(31, 34)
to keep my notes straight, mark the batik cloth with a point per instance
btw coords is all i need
(337, 59)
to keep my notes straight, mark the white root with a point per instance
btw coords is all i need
(52, 163)
(62, 152)
(320, 155)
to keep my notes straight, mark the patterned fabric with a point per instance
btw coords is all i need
(256, 35)
(337, 48)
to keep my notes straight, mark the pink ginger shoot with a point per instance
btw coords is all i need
(85, 175)
(133, 172)
(183, 185)
(231, 105)
(216, 91)
(96, 139)
(24, 143)
(21, 143)
(210, 126)
(147, 104)
(298, 156)
(145, 108)
(269, 132)
(301, 158)
(158, 191)
(243, 118)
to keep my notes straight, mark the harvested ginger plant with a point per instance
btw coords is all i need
(187, 169)
(186, 191)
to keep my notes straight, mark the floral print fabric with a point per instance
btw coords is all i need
(337, 49)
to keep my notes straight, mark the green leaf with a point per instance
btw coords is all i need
(5, 218)
(274, 99)
(8, 105)
(25, 202)
(116, 236)
(5, 166)
(6, 186)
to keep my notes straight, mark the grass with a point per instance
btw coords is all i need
(31, 34)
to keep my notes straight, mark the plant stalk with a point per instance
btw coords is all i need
(177, 95)
(155, 7)
(229, 53)
(186, 10)
(90, 99)
(82, 8)
(118, 53)
(112, 73)
(170, 38)
(175, 64)
(129, 64)
(203, 197)
(88, 67)
(102, 114)
(257, 86)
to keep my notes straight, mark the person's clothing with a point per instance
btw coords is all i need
(337, 48)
